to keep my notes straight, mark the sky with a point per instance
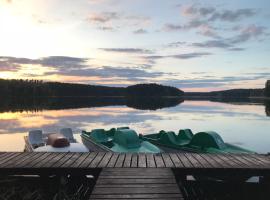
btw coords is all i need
(192, 45)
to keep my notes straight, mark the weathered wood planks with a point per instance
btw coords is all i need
(37, 160)
(136, 183)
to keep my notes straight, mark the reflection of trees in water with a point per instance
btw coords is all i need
(153, 103)
(236, 101)
(267, 108)
(56, 103)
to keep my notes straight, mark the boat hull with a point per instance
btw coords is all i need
(92, 146)
(28, 147)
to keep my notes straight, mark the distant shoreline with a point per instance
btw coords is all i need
(16, 88)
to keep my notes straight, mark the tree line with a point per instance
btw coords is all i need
(35, 88)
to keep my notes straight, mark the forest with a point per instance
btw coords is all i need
(36, 88)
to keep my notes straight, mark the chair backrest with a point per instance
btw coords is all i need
(184, 134)
(67, 132)
(209, 139)
(168, 138)
(35, 137)
(127, 138)
(99, 135)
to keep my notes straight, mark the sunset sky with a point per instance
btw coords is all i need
(191, 45)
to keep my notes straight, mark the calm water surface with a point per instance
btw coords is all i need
(242, 124)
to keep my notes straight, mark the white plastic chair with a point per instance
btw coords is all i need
(67, 132)
(35, 138)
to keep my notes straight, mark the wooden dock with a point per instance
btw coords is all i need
(135, 176)
(97, 160)
(136, 183)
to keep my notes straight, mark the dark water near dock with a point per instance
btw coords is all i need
(241, 122)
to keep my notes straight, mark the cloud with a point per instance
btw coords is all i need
(103, 17)
(140, 31)
(128, 50)
(184, 56)
(124, 73)
(236, 49)
(175, 44)
(5, 66)
(80, 67)
(232, 15)
(247, 33)
(212, 44)
(191, 55)
(117, 20)
(106, 28)
(213, 14)
(209, 31)
(203, 19)
(191, 10)
(172, 27)
(225, 81)
(176, 27)
(119, 75)
(59, 62)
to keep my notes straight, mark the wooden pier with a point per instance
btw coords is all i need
(136, 183)
(135, 176)
(12, 161)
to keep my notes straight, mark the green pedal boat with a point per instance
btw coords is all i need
(185, 140)
(122, 140)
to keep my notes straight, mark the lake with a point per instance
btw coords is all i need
(242, 123)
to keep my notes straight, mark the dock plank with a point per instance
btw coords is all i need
(167, 160)
(113, 160)
(127, 161)
(201, 160)
(70, 161)
(97, 160)
(231, 163)
(9, 157)
(142, 160)
(29, 158)
(13, 160)
(134, 160)
(63, 160)
(150, 161)
(176, 161)
(220, 161)
(52, 159)
(211, 161)
(120, 160)
(185, 161)
(118, 184)
(159, 160)
(105, 160)
(79, 161)
(88, 160)
(40, 159)
(91, 160)
(195, 163)
(241, 162)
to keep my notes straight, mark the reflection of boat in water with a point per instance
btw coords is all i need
(127, 140)
(117, 140)
(202, 142)
(53, 142)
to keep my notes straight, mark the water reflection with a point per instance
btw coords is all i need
(58, 103)
(242, 123)
(267, 108)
